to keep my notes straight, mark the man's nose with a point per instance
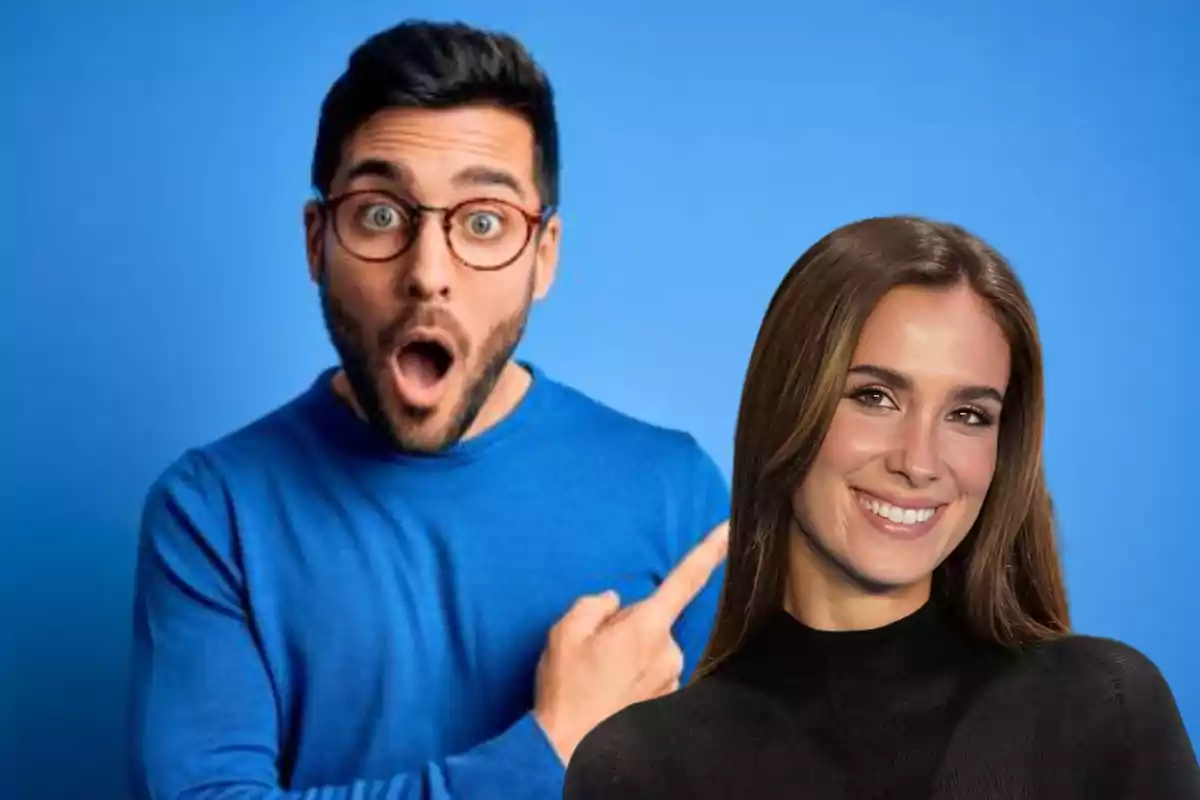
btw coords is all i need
(431, 266)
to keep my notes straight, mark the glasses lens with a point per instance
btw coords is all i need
(488, 233)
(373, 225)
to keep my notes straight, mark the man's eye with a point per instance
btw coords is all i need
(484, 224)
(380, 217)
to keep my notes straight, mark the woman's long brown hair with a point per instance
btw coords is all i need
(1005, 579)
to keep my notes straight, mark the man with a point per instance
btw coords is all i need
(432, 572)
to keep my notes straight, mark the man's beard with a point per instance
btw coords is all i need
(365, 365)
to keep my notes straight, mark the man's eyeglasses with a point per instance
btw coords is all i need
(483, 234)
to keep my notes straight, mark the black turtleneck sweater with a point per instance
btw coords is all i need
(917, 709)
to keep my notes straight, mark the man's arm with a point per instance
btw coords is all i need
(705, 505)
(204, 713)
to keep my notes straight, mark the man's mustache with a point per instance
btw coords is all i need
(424, 316)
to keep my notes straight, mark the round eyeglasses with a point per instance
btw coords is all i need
(483, 234)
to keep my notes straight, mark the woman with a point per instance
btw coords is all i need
(893, 621)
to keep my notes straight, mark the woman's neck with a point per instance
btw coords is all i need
(820, 594)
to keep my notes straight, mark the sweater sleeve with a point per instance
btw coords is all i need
(1160, 759)
(705, 504)
(204, 713)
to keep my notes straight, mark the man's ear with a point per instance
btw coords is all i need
(545, 263)
(314, 239)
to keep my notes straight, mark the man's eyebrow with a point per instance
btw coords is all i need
(472, 176)
(903, 383)
(377, 168)
(487, 176)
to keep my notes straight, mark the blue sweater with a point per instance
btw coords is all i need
(318, 616)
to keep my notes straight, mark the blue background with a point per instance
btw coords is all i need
(155, 296)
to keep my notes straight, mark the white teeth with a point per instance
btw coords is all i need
(901, 516)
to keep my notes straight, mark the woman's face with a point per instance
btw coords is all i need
(901, 475)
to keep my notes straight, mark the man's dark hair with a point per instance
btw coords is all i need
(419, 64)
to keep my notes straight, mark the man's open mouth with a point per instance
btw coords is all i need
(421, 366)
(425, 360)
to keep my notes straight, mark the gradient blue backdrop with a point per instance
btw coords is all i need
(155, 295)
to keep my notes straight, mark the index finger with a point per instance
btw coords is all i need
(681, 586)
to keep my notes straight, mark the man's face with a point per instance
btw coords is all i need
(423, 336)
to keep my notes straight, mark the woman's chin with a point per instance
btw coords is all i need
(880, 576)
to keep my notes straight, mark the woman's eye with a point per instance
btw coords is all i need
(873, 398)
(972, 417)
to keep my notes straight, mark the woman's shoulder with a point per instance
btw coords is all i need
(641, 750)
(1096, 657)
(1098, 669)
(1114, 697)
(667, 721)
